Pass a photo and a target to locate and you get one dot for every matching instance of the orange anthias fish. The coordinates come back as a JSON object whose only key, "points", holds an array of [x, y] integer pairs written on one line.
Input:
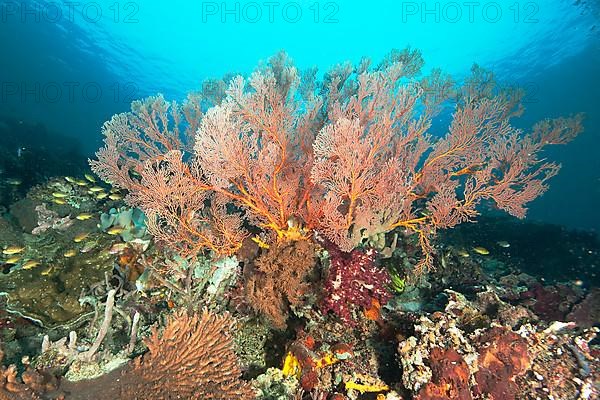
{"points": [[374, 312]]}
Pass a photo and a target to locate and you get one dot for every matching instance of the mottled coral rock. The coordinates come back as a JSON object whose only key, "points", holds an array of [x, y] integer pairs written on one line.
{"points": [[24, 213], [503, 358], [9, 234], [440, 360], [587, 313], [450, 378], [565, 364], [27, 388], [414, 353], [551, 303]]}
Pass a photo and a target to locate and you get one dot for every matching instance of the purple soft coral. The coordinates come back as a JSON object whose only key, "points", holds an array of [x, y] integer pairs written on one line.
{"points": [[354, 280]]}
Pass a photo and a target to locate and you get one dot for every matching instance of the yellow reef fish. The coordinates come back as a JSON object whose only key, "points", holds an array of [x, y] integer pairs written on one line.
{"points": [[426, 213], [31, 264], [462, 253], [117, 248], [14, 181], [59, 195], [115, 196], [70, 179], [481, 250], [47, 271], [84, 216], [89, 246], [81, 182], [115, 230], [70, 253], [10, 250], [60, 202], [90, 178], [95, 189], [12, 260], [81, 237], [263, 245], [101, 195]]}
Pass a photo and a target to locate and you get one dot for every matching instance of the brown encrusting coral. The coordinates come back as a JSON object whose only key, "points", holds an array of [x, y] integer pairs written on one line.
{"points": [[278, 279]]}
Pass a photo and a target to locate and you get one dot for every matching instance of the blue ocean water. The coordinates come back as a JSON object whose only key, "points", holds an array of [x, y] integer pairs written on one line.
{"points": [[70, 65]]}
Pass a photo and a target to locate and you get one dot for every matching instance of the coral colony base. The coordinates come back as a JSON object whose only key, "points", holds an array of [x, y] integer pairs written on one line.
{"points": [[277, 237]]}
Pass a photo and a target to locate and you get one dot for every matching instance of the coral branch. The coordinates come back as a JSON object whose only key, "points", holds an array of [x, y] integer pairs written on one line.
{"points": [[108, 311]]}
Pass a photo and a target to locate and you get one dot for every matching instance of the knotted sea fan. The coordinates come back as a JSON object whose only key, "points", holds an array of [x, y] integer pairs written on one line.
{"points": [[192, 358]]}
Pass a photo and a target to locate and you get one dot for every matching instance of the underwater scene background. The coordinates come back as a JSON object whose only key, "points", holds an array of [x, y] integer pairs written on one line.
{"points": [[299, 200]]}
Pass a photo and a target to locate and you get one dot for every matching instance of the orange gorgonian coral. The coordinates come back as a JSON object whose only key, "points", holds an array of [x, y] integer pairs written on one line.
{"points": [[192, 358], [350, 156]]}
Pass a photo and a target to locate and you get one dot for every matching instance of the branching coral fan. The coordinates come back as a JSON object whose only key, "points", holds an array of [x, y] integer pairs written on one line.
{"points": [[192, 359], [350, 156]]}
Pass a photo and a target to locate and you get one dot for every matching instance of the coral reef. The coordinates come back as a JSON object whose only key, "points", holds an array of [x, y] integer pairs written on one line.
{"points": [[130, 220], [58, 252], [552, 302], [50, 295], [274, 385], [587, 313], [413, 352], [563, 366], [49, 219], [306, 362], [450, 377], [302, 215], [29, 386], [503, 358], [10, 233]]}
